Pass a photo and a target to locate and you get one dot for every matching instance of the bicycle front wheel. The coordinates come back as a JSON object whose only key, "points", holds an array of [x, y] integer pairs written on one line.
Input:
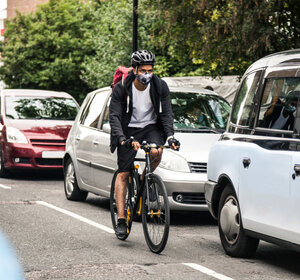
{"points": [[114, 211], [156, 215]]}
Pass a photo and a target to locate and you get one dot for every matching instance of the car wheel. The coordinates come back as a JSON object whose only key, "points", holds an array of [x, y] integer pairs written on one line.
{"points": [[234, 240], [4, 173], [72, 191]]}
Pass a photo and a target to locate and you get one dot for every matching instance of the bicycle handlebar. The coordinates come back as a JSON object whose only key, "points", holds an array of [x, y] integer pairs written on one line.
{"points": [[144, 145], [153, 145]]}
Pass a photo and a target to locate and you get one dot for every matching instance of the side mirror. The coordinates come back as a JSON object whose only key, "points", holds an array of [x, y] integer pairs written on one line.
{"points": [[106, 127]]}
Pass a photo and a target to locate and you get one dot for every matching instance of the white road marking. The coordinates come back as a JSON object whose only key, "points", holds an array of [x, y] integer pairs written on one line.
{"points": [[5, 187], [198, 267], [208, 271], [78, 217]]}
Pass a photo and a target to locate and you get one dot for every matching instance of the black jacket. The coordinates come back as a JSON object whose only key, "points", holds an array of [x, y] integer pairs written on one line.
{"points": [[120, 108]]}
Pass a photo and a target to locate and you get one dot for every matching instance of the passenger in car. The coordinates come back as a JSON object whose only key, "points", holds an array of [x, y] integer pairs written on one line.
{"points": [[198, 116], [282, 113]]}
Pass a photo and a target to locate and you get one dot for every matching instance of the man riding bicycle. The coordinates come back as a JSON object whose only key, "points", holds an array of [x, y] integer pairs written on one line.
{"points": [[140, 107]]}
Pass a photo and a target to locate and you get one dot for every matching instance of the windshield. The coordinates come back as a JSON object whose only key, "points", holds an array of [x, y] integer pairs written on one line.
{"points": [[196, 111], [28, 107]]}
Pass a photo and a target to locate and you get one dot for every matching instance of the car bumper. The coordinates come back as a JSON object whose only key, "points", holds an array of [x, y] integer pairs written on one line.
{"points": [[209, 188], [23, 156], [185, 190]]}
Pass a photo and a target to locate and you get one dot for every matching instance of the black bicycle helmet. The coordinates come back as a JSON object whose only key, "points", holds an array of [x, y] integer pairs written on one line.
{"points": [[142, 57]]}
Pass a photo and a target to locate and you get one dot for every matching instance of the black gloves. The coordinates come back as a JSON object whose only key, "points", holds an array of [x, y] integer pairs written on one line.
{"points": [[175, 141], [128, 142]]}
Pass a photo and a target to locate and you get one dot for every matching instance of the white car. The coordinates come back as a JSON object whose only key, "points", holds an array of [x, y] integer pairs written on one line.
{"points": [[253, 186], [200, 118]]}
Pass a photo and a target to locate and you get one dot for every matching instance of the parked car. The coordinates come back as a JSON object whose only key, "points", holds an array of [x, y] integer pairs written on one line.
{"points": [[34, 126], [200, 117], [254, 170]]}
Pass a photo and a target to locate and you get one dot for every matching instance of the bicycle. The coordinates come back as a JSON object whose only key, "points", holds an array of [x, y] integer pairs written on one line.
{"points": [[148, 199]]}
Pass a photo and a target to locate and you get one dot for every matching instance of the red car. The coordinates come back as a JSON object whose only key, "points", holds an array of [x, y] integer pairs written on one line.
{"points": [[34, 126]]}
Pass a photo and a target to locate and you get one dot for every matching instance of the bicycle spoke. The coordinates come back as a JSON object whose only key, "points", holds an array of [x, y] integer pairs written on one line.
{"points": [[156, 217]]}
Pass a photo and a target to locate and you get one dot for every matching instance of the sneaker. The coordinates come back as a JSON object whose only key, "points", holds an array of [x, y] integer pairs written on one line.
{"points": [[121, 228]]}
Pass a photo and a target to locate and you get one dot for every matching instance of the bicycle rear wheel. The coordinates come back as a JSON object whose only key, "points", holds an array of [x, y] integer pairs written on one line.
{"points": [[114, 211], [156, 218]]}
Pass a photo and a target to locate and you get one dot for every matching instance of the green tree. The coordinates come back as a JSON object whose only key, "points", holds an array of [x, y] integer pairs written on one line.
{"points": [[223, 37], [46, 50], [112, 41], [76, 45]]}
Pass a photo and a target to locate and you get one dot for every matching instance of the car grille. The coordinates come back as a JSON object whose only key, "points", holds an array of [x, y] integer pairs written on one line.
{"points": [[48, 142], [198, 167], [189, 198], [48, 161]]}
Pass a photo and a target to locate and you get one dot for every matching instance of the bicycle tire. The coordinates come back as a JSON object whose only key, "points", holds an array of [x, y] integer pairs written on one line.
{"points": [[156, 220], [113, 209]]}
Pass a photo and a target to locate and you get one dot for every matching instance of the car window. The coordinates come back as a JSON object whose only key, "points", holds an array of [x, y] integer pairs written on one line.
{"points": [[93, 111], [197, 111], [106, 113], [279, 103], [244, 101], [29, 107]]}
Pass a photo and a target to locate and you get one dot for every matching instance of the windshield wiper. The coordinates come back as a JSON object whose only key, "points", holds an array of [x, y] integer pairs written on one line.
{"points": [[209, 128], [41, 118], [201, 129]]}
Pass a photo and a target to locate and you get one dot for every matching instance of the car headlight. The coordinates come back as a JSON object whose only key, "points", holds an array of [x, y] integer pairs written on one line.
{"points": [[14, 135], [172, 161]]}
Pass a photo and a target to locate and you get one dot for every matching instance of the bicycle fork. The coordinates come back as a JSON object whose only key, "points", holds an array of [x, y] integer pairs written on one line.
{"points": [[150, 213]]}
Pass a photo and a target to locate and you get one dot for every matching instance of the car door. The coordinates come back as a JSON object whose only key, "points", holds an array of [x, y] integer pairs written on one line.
{"points": [[294, 209], [104, 162], [265, 167], [86, 135], [264, 189]]}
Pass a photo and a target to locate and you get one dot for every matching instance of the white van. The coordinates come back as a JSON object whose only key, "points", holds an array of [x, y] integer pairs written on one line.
{"points": [[253, 186]]}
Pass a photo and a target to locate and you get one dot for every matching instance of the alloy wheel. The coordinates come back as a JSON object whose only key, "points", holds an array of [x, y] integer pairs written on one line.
{"points": [[70, 179]]}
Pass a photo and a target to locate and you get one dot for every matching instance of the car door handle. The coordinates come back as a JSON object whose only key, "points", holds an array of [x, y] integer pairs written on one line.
{"points": [[246, 162], [96, 143], [77, 138], [297, 170]]}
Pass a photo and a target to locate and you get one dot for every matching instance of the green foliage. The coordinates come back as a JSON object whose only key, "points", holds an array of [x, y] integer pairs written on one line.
{"points": [[76, 45], [224, 37], [46, 50], [111, 40]]}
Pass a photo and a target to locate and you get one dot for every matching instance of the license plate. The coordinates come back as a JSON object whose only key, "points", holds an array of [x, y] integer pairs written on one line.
{"points": [[53, 154]]}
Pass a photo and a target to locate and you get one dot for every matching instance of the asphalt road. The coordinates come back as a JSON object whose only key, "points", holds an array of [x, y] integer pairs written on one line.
{"points": [[59, 239]]}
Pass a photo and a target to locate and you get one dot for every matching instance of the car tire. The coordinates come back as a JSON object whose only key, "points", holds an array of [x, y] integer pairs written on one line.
{"points": [[4, 173], [72, 191], [234, 240]]}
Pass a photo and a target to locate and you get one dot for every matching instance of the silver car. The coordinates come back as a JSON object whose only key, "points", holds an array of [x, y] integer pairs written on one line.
{"points": [[200, 116]]}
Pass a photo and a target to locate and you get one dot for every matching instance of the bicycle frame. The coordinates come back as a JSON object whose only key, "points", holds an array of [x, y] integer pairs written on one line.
{"points": [[147, 199], [144, 184]]}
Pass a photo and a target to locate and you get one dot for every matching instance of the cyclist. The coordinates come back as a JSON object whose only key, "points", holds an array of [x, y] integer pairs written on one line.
{"points": [[140, 107]]}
